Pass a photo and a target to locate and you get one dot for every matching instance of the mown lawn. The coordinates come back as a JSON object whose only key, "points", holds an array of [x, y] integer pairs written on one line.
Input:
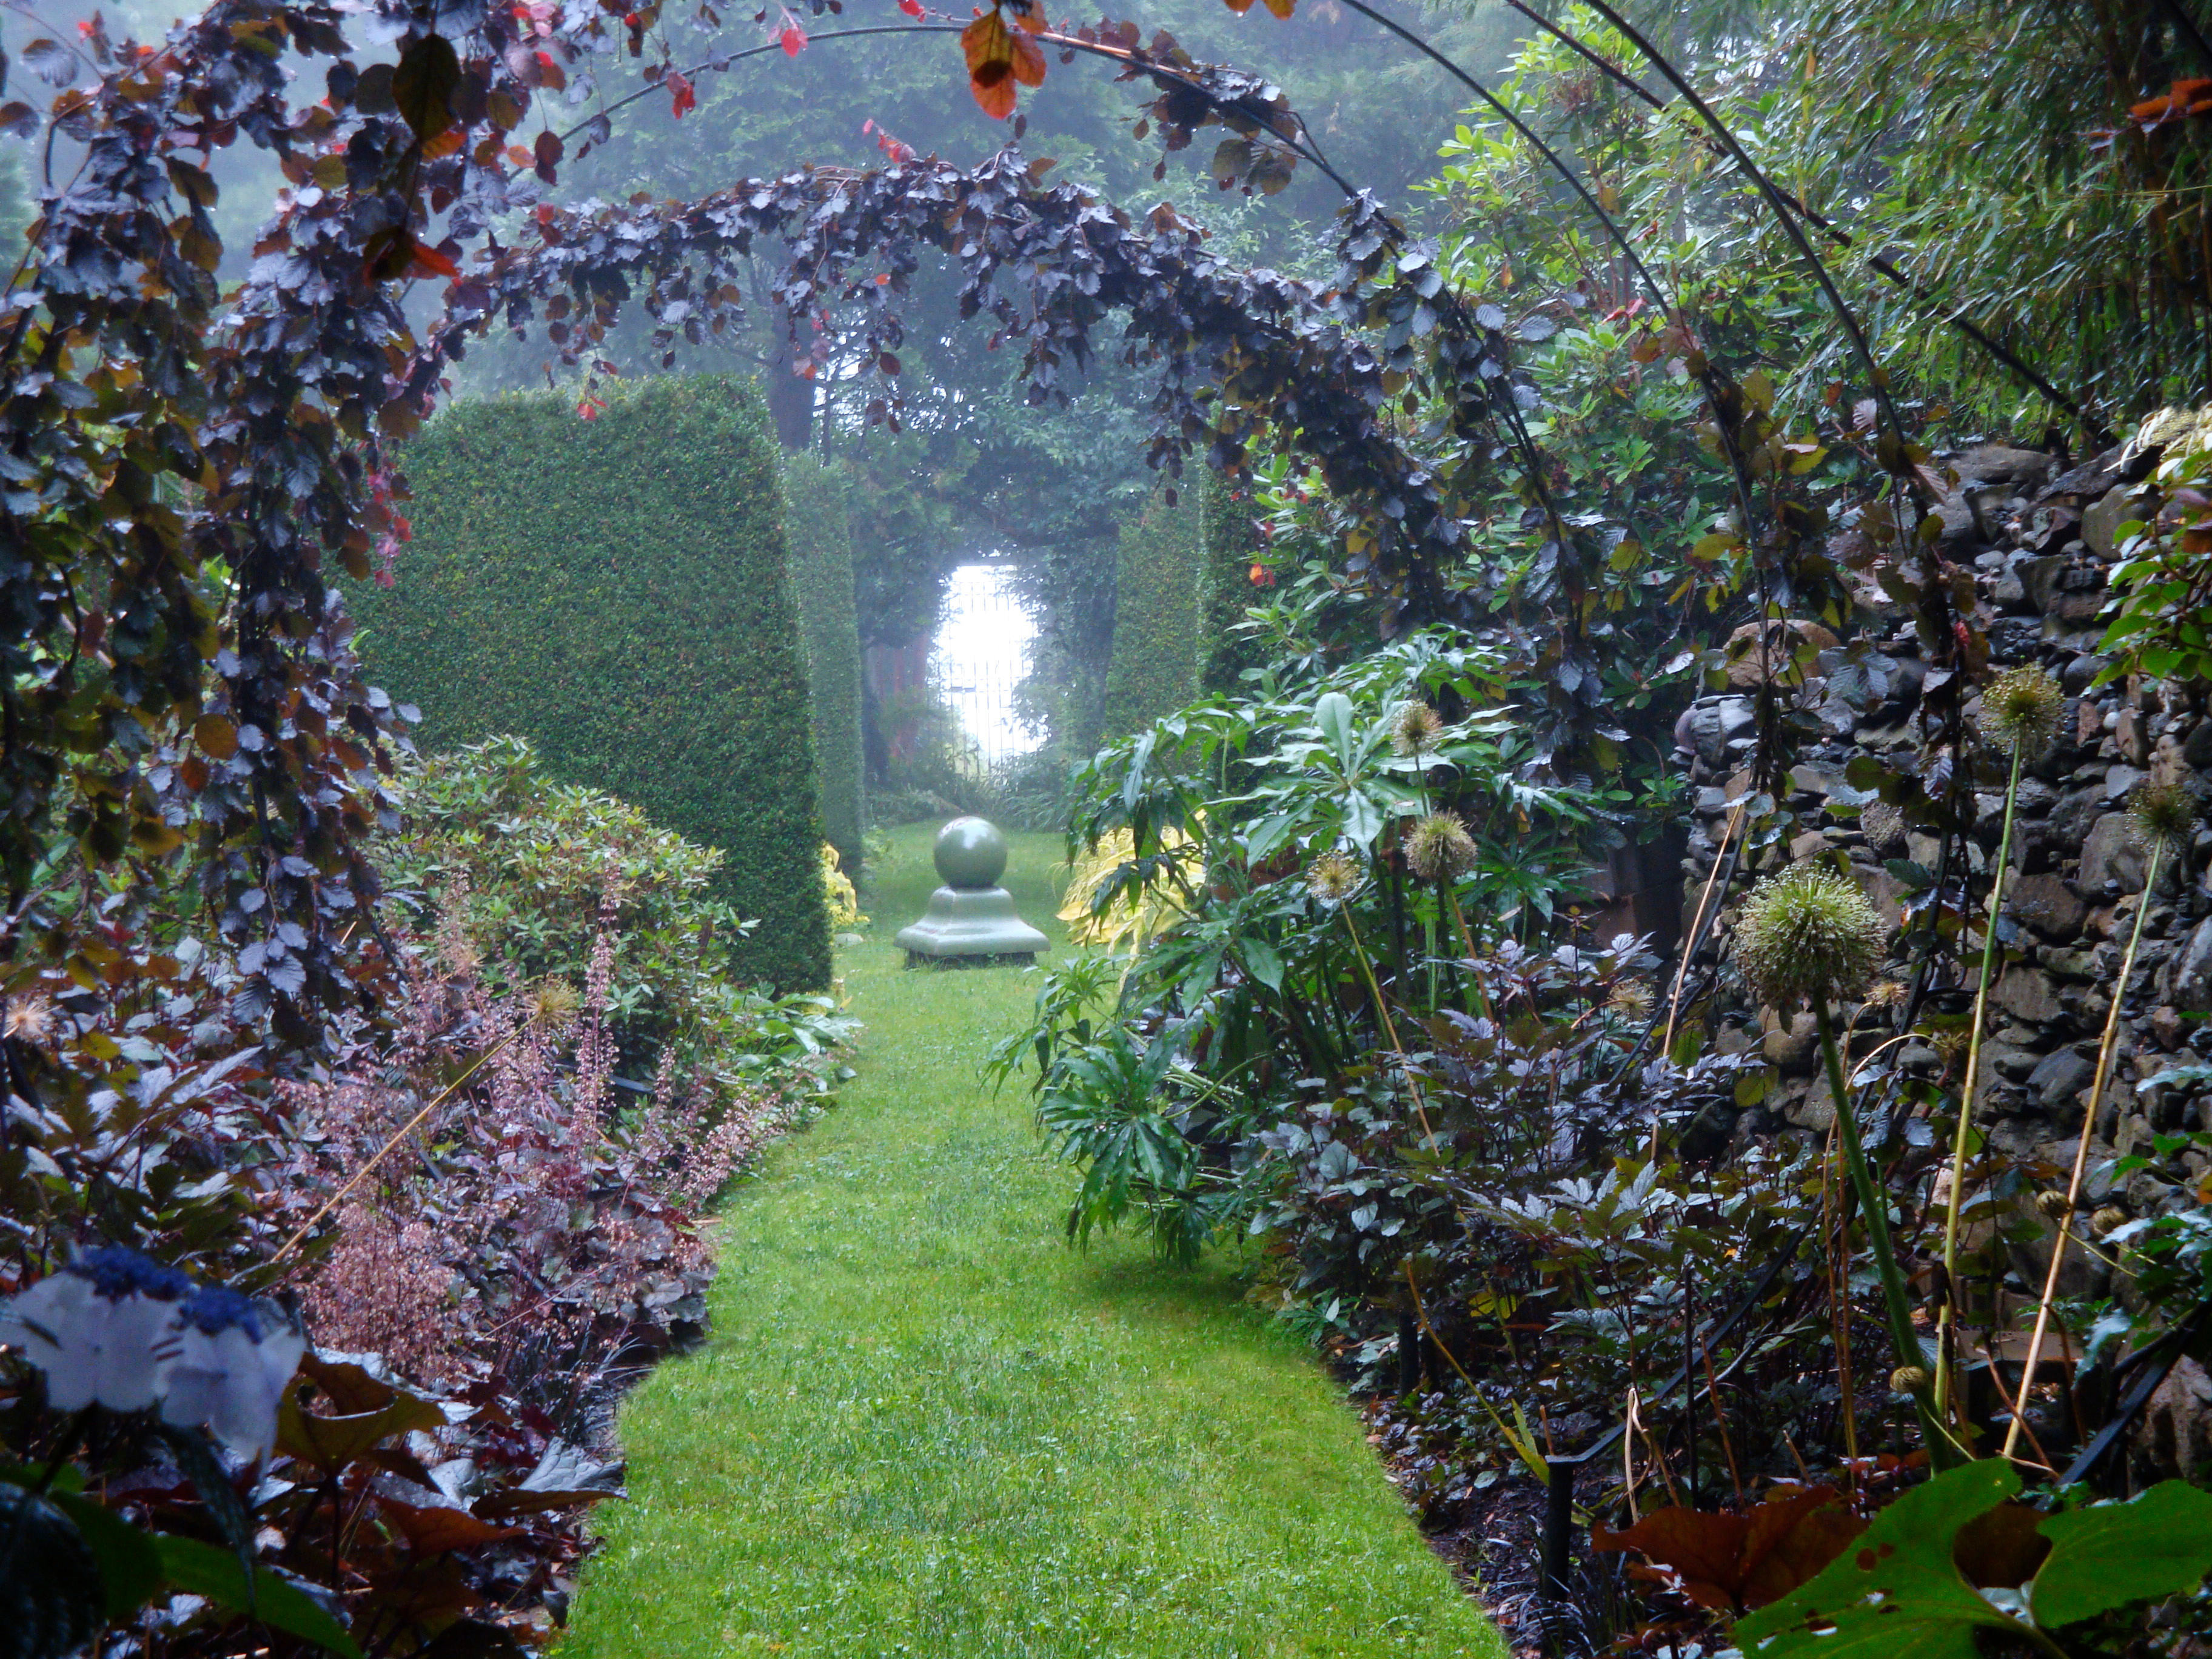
{"points": [[925, 1425]]}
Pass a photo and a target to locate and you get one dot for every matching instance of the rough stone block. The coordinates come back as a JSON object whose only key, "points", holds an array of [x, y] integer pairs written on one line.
{"points": [[2058, 1077], [2027, 993], [2044, 903]]}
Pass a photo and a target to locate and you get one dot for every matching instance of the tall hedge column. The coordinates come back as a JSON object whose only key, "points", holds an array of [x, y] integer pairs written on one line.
{"points": [[615, 591], [1154, 670], [821, 542], [1232, 546]]}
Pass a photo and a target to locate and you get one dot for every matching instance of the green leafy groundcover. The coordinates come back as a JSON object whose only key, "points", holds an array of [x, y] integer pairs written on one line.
{"points": [[614, 590], [821, 582], [1154, 670]]}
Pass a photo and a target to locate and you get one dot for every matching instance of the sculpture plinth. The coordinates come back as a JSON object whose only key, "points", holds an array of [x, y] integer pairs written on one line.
{"points": [[970, 921]]}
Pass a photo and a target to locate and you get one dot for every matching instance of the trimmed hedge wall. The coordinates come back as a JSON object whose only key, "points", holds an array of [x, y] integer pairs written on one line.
{"points": [[821, 542], [1231, 545], [614, 590], [1154, 670]]}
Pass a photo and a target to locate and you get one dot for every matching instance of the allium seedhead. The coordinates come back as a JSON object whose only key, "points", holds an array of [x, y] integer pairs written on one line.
{"points": [[1910, 1379], [1889, 993], [28, 1020], [1633, 998], [1439, 848], [2163, 816], [1413, 729], [1808, 935], [1333, 877], [554, 1004], [2021, 711]]}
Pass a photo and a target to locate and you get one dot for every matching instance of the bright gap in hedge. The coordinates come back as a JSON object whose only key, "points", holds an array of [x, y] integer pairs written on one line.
{"points": [[982, 653]]}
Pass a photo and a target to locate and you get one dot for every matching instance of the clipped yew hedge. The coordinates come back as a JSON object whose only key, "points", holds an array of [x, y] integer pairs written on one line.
{"points": [[821, 541], [1154, 668], [614, 590], [1233, 544]]}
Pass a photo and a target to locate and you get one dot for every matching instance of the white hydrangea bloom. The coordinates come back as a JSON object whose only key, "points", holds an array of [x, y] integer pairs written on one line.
{"points": [[103, 1329], [116, 1329], [234, 1359]]}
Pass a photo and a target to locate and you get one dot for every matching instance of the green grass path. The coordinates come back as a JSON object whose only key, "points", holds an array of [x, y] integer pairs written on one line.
{"points": [[924, 1425]]}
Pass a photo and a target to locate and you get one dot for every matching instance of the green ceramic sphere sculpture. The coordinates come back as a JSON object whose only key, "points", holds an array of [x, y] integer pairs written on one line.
{"points": [[970, 920]]}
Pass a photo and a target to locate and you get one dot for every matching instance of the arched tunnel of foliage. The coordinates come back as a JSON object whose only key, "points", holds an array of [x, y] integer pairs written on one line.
{"points": [[1689, 462]]}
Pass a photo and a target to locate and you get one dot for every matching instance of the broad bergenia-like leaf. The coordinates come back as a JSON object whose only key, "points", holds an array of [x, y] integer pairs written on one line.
{"points": [[1733, 1562], [1897, 1593], [2114, 1554]]}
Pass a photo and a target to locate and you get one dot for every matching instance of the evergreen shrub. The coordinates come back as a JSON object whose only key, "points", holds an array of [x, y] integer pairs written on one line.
{"points": [[614, 590], [1232, 546], [1154, 669], [819, 535]]}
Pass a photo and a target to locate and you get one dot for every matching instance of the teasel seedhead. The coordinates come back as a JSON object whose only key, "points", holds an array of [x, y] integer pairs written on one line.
{"points": [[1333, 877], [2054, 1204], [2163, 816], [1413, 729], [1808, 935], [2021, 711], [1910, 1379], [1439, 848]]}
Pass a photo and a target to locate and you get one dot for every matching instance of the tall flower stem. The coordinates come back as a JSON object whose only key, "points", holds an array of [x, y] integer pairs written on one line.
{"points": [[1947, 1315], [1467, 944], [2104, 1050], [1389, 1028], [1875, 1204]]}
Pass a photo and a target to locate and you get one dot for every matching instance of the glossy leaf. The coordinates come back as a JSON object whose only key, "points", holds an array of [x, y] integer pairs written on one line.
{"points": [[277, 1602], [1896, 1594], [2111, 1554]]}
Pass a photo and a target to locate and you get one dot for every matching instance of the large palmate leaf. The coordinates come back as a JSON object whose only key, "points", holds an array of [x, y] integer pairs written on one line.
{"points": [[1738, 1561], [2106, 1557], [1897, 1594], [1907, 1591]]}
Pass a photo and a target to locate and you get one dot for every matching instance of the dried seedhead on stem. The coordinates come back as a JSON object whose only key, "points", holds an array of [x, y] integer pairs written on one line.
{"points": [[1333, 877], [1439, 848], [1413, 729], [1808, 935], [2021, 711], [2163, 817]]}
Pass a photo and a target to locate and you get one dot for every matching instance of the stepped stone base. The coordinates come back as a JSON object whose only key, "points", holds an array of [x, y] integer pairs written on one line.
{"points": [[971, 926]]}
